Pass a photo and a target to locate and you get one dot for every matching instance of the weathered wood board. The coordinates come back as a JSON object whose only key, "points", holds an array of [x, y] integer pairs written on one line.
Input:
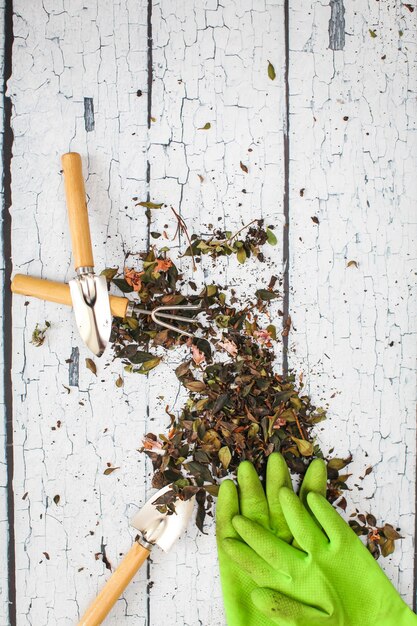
{"points": [[130, 85], [353, 121]]}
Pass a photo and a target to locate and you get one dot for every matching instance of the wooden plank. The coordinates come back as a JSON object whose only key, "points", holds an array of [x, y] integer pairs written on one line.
{"points": [[210, 67], [64, 440], [352, 135]]}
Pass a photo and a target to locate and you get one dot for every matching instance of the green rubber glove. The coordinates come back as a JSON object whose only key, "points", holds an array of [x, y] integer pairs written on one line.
{"points": [[265, 509], [332, 580]]}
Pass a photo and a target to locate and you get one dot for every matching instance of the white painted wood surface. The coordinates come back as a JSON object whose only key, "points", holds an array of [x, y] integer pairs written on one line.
{"points": [[209, 65], [353, 134], [3, 467]]}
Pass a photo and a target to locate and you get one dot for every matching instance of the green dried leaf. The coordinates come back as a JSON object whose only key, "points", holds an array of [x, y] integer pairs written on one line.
{"points": [[109, 273], [132, 322], [135, 356], [147, 366], [39, 334], [211, 290], [213, 490], [372, 33], [151, 205], [241, 255], [206, 126], [305, 448], [338, 464], [271, 71], [199, 471], [119, 382], [272, 331], [225, 456], [122, 285], [266, 294], [272, 240]]}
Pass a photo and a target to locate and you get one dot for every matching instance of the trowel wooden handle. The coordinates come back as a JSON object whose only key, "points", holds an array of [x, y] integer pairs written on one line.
{"points": [[115, 586], [77, 210], [42, 289], [58, 292]]}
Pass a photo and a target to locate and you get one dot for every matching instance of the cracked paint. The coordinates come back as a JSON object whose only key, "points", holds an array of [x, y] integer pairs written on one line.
{"points": [[209, 65], [356, 326]]}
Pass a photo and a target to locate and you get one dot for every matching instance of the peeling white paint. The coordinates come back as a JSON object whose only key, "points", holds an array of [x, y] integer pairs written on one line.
{"points": [[210, 65], [353, 120]]}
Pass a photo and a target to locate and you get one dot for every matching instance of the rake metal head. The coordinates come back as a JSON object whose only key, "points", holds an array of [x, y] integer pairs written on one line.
{"points": [[161, 313], [165, 312]]}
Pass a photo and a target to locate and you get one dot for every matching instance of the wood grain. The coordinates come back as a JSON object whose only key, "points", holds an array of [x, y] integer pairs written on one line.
{"points": [[52, 291], [77, 210]]}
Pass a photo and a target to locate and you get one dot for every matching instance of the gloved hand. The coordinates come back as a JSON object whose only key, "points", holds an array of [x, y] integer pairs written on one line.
{"points": [[332, 580], [265, 509]]}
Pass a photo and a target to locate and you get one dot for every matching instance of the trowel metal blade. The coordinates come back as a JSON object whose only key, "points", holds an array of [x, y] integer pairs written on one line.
{"points": [[161, 528], [91, 303]]}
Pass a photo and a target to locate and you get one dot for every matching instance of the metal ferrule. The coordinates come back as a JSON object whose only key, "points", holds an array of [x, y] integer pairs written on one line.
{"points": [[81, 271], [130, 309], [144, 542]]}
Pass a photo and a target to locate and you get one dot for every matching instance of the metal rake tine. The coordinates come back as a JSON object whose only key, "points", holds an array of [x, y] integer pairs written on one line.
{"points": [[179, 318], [159, 312], [178, 307], [157, 320]]}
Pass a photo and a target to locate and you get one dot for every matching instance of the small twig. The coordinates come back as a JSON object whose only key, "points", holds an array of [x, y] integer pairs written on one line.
{"points": [[239, 231], [182, 226], [299, 426]]}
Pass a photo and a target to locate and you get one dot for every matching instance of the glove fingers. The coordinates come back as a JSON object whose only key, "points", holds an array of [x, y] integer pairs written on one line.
{"points": [[282, 557], [315, 480], [253, 504], [277, 476], [284, 610], [226, 509], [332, 523], [303, 527], [241, 554]]}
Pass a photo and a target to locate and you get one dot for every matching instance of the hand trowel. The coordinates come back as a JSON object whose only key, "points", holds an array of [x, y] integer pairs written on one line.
{"points": [[154, 528], [89, 294]]}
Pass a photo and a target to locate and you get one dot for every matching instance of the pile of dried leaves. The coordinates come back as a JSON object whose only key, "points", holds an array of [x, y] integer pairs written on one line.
{"points": [[238, 406]]}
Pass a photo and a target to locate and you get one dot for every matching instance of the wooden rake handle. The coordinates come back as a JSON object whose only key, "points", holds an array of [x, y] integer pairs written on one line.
{"points": [[58, 292], [77, 210], [115, 586]]}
